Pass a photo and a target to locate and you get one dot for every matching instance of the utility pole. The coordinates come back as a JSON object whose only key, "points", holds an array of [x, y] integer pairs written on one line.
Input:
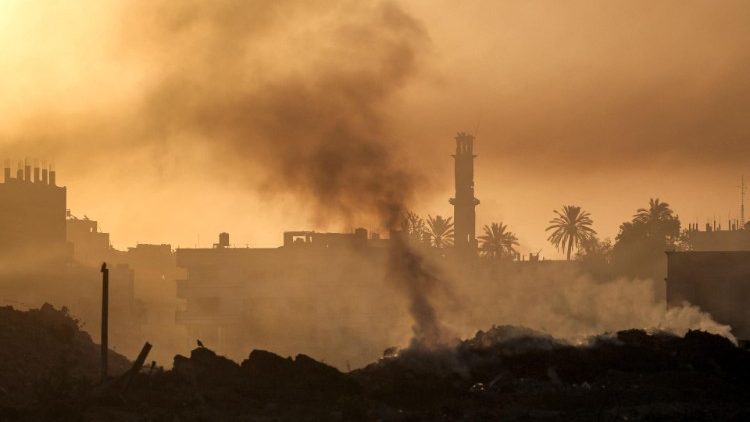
{"points": [[105, 319]]}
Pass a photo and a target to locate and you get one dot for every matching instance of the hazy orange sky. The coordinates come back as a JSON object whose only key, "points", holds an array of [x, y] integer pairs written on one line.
{"points": [[138, 103]]}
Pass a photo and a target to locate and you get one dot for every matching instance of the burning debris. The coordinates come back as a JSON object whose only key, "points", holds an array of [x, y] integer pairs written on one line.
{"points": [[504, 373], [412, 276]]}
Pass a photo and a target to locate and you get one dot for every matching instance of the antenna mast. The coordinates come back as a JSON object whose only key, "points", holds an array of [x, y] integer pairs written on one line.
{"points": [[742, 202]]}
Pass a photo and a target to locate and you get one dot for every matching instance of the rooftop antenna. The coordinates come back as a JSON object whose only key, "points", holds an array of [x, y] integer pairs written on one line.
{"points": [[476, 127], [742, 201]]}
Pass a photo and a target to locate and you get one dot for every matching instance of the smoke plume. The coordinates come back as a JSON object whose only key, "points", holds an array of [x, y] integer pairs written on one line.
{"points": [[304, 97], [286, 98], [570, 304], [321, 134]]}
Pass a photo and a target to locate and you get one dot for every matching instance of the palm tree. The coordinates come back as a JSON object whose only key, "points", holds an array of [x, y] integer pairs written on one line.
{"points": [[572, 227], [657, 211], [658, 220], [440, 231], [413, 225], [497, 241]]}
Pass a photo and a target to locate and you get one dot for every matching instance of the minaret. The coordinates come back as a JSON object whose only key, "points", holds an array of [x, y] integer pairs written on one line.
{"points": [[464, 204]]}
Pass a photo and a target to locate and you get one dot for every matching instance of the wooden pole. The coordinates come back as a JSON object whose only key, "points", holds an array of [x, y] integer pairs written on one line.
{"points": [[137, 365], [105, 319]]}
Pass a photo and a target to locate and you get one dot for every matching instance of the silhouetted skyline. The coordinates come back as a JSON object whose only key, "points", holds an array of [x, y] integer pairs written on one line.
{"points": [[601, 106]]}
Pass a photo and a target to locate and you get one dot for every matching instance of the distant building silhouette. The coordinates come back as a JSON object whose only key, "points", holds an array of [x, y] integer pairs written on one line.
{"points": [[464, 203], [144, 273], [713, 238], [231, 294], [39, 246], [90, 246], [717, 282], [32, 217]]}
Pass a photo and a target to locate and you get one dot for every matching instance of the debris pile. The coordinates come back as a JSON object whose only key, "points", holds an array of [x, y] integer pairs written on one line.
{"points": [[511, 373], [505, 373], [44, 354]]}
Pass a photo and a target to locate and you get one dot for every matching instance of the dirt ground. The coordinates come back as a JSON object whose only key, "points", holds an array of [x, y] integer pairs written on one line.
{"points": [[505, 373]]}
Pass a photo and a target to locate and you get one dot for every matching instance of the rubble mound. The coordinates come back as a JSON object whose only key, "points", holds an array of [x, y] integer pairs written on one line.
{"points": [[271, 376], [508, 372], [505, 373], [514, 339], [44, 353]]}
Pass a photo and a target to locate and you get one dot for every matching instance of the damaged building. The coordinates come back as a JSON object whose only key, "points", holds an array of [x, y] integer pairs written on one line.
{"points": [[38, 257], [153, 270], [305, 295]]}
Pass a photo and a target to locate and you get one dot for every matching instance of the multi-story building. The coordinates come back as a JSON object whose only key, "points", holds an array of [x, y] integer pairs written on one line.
{"points": [[90, 246], [306, 295], [734, 237], [37, 257], [717, 282], [152, 273], [32, 219]]}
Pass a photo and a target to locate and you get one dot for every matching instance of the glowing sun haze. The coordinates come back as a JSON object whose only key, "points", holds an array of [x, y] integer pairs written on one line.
{"points": [[165, 119]]}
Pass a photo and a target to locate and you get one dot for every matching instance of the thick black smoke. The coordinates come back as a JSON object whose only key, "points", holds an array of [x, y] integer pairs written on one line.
{"points": [[289, 97], [320, 132]]}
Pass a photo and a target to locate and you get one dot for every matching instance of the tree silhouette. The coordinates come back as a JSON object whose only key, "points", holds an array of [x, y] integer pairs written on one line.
{"points": [[571, 228], [413, 225], [640, 244], [440, 231], [658, 220], [497, 241]]}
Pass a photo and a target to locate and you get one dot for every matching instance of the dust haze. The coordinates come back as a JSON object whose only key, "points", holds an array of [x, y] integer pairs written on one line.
{"points": [[573, 89], [169, 121]]}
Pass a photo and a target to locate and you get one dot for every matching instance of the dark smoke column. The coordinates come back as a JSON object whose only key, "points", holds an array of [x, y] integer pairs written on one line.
{"points": [[464, 204]]}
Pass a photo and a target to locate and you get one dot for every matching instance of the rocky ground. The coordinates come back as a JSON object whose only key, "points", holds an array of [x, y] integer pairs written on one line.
{"points": [[46, 357], [506, 373]]}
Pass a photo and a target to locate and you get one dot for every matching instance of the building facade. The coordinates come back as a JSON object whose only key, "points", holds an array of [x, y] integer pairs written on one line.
{"points": [[38, 262], [717, 282], [307, 295], [734, 238], [32, 219]]}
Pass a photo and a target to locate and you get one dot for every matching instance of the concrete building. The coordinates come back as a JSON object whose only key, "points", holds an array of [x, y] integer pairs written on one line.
{"points": [[734, 238], [717, 282], [90, 246], [464, 203], [305, 295], [150, 272], [37, 260], [32, 218], [308, 293]]}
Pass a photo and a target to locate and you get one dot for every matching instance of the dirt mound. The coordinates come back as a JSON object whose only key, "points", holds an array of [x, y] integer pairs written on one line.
{"points": [[45, 355], [303, 378], [508, 372], [263, 375], [505, 373]]}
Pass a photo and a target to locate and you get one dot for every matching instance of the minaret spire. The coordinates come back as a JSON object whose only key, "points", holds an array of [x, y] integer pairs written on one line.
{"points": [[464, 203]]}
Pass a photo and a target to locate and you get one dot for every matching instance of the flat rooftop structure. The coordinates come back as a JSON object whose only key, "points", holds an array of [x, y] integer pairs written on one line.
{"points": [[716, 281], [719, 240]]}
